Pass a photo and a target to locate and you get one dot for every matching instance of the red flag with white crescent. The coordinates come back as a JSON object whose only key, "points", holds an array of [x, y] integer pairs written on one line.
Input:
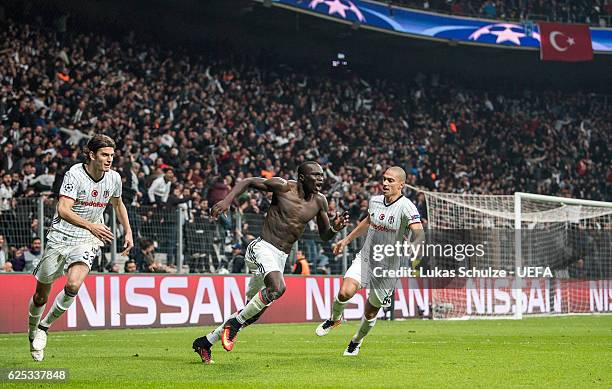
{"points": [[565, 42]]}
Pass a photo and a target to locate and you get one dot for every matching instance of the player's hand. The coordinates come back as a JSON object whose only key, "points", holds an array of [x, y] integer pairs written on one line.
{"points": [[341, 221], [129, 243], [102, 232], [219, 208], [340, 246]]}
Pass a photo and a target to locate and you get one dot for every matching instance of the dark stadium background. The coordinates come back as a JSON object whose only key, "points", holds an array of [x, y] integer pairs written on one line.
{"points": [[311, 43]]}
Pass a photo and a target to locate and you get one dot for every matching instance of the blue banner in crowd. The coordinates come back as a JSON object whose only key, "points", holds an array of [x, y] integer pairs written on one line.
{"points": [[437, 26]]}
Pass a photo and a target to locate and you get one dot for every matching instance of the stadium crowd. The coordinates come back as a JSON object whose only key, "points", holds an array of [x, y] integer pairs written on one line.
{"points": [[188, 125], [582, 11]]}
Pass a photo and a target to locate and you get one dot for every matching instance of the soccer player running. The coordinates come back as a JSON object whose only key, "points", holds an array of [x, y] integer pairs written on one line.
{"points": [[294, 204], [76, 235], [390, 218]]}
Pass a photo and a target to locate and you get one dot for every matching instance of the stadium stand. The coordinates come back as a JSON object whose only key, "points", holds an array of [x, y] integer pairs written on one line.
{"points": [[591, 12], [192, 123]]}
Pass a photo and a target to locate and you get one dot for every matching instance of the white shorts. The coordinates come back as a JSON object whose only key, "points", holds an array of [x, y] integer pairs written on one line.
{"points": [[58, 258], [377, 296], [262, 258]]}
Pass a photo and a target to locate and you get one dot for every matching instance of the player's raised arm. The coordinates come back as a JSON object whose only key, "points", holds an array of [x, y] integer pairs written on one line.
{"points": [[361, 229], [122, 215], [418, 236], [326, 230], [274, 184], [64, 211]]}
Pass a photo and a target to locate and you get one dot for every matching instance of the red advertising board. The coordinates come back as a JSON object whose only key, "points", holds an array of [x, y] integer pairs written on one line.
{"points": [[140, 301]]}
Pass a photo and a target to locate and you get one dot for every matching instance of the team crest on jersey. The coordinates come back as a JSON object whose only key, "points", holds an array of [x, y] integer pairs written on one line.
{"points": [[391, 219], [82, 193], [94, 193], [68, 187], [106, 193]]}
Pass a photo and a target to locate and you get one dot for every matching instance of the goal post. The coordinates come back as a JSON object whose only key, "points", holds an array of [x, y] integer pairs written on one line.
{"points": [[546, 255]]}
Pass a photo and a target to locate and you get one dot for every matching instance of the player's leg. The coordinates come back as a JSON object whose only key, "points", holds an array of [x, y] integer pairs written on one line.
{"points": [[203, 345], [64, 299], [48, 270], [35, 311], [379, 297], [269, 262], [350, 285], [347, 290], [37, 306], [273, 290], [367, 323]]}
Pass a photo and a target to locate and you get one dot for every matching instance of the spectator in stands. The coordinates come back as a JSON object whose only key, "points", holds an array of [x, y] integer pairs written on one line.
{"points": [[421, 206], [7, 191], [4, 253], [29, 258], [488, 9], [6, 161], [456, 8], [130, 266], [252, 206], [143, 257], [577, 270], [114, 268], [577, 11], [7, 267], [301, 265], [43, 182], [236, 263], [159, 191], [218, 191]]}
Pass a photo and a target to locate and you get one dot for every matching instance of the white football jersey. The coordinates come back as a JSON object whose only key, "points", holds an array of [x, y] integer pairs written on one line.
{"points": [[90, 200], [388, 223]]}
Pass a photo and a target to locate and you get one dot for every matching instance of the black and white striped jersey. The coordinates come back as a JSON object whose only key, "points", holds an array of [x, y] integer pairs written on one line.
{"points": [[388, 223], [90, 200]]}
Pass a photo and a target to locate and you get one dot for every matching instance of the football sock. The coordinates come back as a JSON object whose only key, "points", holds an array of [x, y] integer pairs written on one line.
{"points": [[61, 304], [364, 328], [337, 309], [254, 306], [34, 314], [215, 335]]}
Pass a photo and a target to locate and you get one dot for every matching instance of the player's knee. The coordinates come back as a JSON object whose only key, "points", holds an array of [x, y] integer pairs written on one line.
{"points": [[40, 299], [344, 295], [370, 315], [275, 292], [72, 288]]}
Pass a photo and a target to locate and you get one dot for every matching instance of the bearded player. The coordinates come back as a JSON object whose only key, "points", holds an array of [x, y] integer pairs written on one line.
{"points": [[76, 235], [391, 216], [294, 204]]}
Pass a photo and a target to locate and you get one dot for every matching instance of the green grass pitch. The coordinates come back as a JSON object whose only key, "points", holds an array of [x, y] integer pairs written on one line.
{"points": [[535, 352]]}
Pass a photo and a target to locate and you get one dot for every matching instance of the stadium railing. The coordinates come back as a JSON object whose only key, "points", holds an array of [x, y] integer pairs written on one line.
{"points": [[187, 242]]}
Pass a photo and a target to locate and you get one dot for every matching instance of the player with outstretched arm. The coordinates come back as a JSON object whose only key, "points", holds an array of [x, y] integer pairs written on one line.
{"points": [[391, 217], [294, 204], [76, 235]]}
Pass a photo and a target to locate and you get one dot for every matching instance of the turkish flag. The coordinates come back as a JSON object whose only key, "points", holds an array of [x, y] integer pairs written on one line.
{"points": [[565, 42]]}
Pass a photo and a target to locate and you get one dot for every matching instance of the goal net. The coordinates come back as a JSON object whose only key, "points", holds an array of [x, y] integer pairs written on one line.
{"points": [[530, 254]]}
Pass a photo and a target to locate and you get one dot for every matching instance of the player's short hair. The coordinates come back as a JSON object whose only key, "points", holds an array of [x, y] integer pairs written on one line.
{"points": [[399, 172], [97, 142], [303, 168]]}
